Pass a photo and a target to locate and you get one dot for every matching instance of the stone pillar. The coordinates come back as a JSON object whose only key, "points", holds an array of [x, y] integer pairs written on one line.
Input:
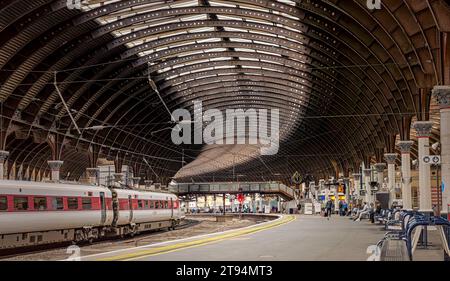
{"points": [[442, 94], [347, 189], [336, 199], [3, 156], [55, 166], [136, 181], [356, 184], [405, 148], [380, 174], [367, 174], [390, 160], [423, 129], [118, 177], [148, 184], [92, 174]]}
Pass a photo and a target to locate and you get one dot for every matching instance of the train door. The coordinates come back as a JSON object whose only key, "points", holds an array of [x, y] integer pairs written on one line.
{"points": [[103, 207], [130, 203], [171, 207]]}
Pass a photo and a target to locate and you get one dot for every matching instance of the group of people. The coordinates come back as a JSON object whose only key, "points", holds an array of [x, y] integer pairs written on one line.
{"points": [[357, 212], [366, 210], [344, 208]]}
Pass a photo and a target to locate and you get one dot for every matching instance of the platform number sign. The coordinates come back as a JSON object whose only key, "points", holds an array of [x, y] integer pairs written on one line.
{"points": [[75, 252], [375, 253], [432, 159]]}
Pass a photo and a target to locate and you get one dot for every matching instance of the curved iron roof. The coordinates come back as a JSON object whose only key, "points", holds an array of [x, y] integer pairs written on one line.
{"points": [[347, 79]]}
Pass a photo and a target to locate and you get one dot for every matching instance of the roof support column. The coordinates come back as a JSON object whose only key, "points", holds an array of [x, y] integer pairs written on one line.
{"points": [[118, 161], [442, 94], [55, 166], [390, 160], [367, 174], [3, 156], [92, 175], [56, 143], [423, 129], [356, 185], [92, 171], [405, 148], [380, 174]]}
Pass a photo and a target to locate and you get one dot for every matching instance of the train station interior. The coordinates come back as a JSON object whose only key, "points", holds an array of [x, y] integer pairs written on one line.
{"points": [[225, 130]]}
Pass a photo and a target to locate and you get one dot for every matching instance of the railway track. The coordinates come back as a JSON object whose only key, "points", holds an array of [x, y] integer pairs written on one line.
{"points": [[139, 238]]}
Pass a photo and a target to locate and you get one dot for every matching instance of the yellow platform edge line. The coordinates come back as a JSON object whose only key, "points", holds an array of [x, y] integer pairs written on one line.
{"points": [[196, 243]]}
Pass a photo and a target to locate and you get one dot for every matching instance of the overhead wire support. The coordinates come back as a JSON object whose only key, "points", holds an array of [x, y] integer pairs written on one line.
{"points": [[64, 103], [151, 168], [155, 88]]}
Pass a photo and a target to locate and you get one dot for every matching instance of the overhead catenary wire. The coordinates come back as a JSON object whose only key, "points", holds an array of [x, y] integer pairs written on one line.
{"points": [[65, 104]]}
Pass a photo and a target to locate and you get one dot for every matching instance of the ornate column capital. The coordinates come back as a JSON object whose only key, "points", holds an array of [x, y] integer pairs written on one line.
{"points": [[367, 172], [405, 146], [423, 128], [442, 95], [380, 167], [3, 155], [55, 165], [390, 158], [118, 176], [92, 172]]}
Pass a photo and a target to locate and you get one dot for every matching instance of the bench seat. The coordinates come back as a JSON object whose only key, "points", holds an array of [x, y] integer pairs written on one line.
{"points": [[394, 250]]}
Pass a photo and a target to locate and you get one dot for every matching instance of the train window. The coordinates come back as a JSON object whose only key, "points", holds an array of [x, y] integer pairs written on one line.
{"points": [[3, 203], [57, 203], [87, 203], [72, 203], [166, 205], [146, 204], [140, 205], [40, 203], [152, 204], [20, 203], [156, 204]]}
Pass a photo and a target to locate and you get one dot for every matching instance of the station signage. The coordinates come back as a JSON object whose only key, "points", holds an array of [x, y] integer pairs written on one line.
{"points": [[432, 159]]}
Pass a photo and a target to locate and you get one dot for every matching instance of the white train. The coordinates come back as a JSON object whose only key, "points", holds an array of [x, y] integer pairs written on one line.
{"points": [[35, 213]]}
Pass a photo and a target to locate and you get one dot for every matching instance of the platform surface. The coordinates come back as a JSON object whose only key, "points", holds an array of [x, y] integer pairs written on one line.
{"points": [[310, 238]]}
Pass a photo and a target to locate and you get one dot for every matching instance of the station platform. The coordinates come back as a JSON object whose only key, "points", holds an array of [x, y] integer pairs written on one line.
{"points": [[290, 238]]}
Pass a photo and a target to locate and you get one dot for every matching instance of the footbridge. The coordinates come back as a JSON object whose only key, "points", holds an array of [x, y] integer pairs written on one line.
{"points": [[280, 189]]}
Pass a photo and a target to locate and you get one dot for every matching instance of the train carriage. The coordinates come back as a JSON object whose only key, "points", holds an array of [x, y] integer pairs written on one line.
{"points": [[33, 213]]}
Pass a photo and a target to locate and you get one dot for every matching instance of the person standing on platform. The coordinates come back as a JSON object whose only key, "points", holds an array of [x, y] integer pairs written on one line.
{"points": [[344, 208], [329, 208]]}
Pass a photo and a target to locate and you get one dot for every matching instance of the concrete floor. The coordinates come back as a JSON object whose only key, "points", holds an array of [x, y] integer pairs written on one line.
{"points": [[306, 238], [299, 238]]}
